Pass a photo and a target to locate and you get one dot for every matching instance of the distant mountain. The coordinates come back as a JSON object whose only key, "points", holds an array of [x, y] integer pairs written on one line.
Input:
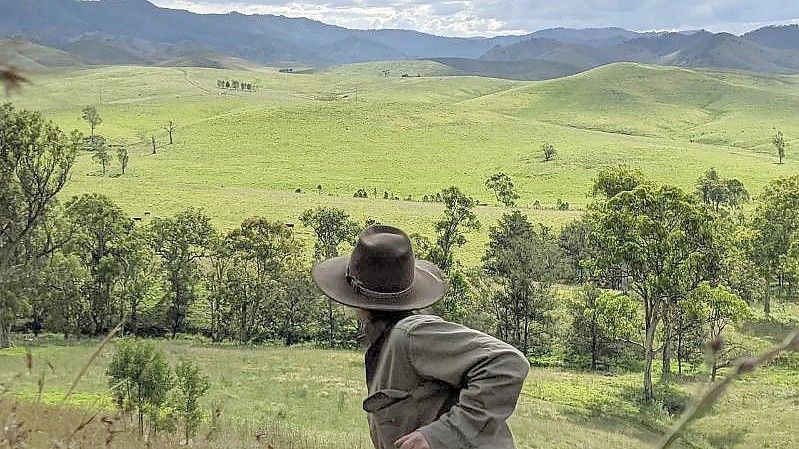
{"points": [[776, 36], [74, 32], [577, 55], [685, 49], [595, 37], [261, 38]]}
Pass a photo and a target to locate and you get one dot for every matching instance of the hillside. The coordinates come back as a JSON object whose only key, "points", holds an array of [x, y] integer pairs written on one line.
{"points": [[700, 49], [776, 36], [29, 56], [242, 154]]}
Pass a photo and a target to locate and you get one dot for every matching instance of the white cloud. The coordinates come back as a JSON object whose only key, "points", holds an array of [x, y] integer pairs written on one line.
{"points": [[493, 17]]}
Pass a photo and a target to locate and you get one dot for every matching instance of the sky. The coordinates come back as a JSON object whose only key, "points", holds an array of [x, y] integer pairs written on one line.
{"points": [[495, 17]]}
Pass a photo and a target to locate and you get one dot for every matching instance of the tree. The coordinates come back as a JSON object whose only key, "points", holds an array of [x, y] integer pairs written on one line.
{"points": [[601, 321], [190, 386], [140, 380], [63, 290], [718, 192], [459, 217], [332, 228], [611, 181], [36, 159], [525, 263], [123, 157], [502, 186], [779, 145], [776, 225], [11, 78], [549, 151], [575, 240], [262, 253], [180, 241], [170, 128], [152, 140], [101, 154], [137, 276], [100, 227], [92, 117], [717, 308], [657, 239]]}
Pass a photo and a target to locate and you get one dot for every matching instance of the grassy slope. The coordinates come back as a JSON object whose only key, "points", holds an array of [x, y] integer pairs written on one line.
{"points": [[240, 154]]}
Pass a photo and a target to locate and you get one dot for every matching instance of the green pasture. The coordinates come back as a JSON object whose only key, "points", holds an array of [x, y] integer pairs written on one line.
{"points": [[320, 392], [240, 154]]}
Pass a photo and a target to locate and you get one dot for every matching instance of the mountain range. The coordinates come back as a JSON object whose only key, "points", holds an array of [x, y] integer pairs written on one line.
{"points": [[54, 33]]}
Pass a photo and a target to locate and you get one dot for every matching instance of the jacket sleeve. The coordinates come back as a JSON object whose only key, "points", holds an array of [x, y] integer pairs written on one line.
{"points": [[488, 372]]}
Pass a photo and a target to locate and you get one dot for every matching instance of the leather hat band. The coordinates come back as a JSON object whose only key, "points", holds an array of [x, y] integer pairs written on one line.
{"points": [[362, 289]]}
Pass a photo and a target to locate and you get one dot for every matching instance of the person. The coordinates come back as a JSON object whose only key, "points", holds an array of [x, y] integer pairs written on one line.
{"points": [[432, 384]]}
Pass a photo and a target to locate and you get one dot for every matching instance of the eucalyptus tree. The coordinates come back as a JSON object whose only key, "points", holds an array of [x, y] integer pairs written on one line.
{"points": [[180, 242], [36, 160], [656, 236]]}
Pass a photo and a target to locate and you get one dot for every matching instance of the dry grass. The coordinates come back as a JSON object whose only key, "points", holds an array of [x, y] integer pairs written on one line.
{"points": [[30, 425]]}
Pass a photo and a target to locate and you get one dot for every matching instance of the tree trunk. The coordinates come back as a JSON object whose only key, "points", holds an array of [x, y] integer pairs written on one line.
{"points": [[5, 334], [665, 375], [594, 343], [679, 351], [332, 329], [767, 297], [649, 390]]}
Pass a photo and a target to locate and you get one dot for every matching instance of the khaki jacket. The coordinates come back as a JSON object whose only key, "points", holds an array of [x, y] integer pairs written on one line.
{"points": [[457, 386]]}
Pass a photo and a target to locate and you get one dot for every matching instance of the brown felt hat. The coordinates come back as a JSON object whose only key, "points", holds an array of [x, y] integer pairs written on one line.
{"points": [[381, 274]]}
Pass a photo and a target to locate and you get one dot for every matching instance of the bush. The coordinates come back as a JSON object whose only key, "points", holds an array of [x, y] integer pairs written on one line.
{"points": [[140, 379], [191, 385]]}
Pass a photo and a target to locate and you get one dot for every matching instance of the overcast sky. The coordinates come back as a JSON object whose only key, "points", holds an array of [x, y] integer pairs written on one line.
{"points": [[492, 17]]}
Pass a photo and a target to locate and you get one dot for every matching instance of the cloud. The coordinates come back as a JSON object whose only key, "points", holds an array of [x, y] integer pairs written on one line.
{"points": [[493, 17]]}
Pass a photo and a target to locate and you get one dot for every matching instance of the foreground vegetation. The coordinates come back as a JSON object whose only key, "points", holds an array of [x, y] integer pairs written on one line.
{"points": [[313, 394]]}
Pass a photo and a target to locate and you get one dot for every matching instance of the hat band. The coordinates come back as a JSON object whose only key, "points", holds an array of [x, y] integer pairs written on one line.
{"points": [[362, 289]]}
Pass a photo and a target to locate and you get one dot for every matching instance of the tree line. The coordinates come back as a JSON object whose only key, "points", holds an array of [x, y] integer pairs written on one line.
{"points": [[655, 271]]}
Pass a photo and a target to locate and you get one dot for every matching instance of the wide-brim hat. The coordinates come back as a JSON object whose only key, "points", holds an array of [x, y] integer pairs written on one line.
{"points": [[381, 273]]}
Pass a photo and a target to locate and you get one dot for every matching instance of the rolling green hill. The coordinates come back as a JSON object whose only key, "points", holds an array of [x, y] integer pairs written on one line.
{"points": [[241, 154], [29, 56]]}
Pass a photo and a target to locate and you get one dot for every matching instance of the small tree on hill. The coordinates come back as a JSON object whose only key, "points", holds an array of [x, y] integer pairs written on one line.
{"points": [[779, 144], [92, 117], [549, 151], [140, 379], [190, 386], [102, 155], [459, 218], [502, 185], [611, 181], [123, 157], [170, 128]]}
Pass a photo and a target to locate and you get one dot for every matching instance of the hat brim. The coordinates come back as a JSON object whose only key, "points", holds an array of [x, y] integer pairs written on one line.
{"points": [[428, 287]]}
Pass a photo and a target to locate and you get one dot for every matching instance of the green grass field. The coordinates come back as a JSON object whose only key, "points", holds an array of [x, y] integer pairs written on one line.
{"points": [[244, 154], [320, 392]]}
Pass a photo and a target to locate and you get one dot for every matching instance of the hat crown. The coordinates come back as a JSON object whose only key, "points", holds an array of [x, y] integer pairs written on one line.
{"points": [[382, 260]]}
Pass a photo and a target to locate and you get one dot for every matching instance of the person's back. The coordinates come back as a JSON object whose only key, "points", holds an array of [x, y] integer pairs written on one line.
{"points": [[432, 384], [454, 385]]}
